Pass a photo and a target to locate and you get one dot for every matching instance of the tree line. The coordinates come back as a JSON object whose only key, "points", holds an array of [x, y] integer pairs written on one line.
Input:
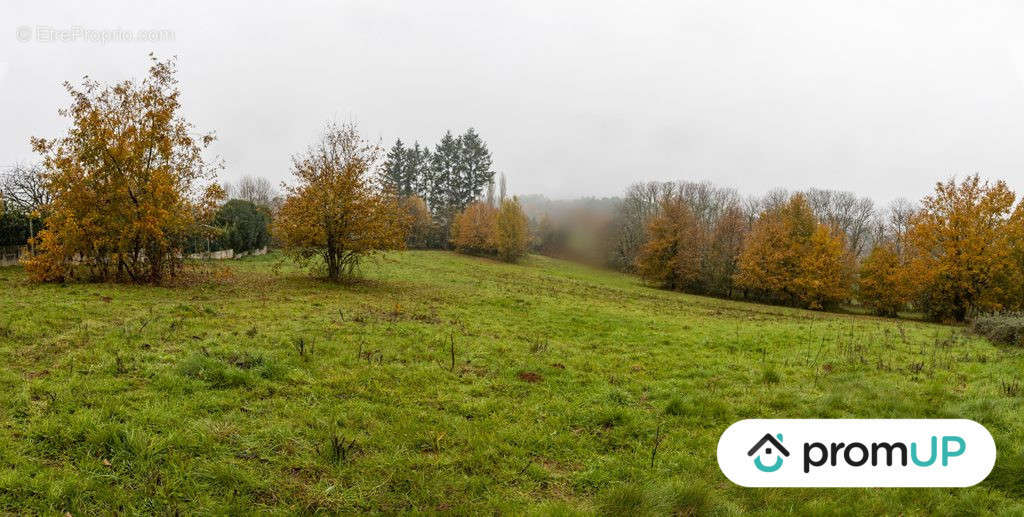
{"points": [[125, 194], [128, 193], [956, 253]]}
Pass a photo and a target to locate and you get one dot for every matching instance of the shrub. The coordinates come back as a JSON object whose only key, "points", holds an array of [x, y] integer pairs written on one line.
{"points": [[1005, 328]]}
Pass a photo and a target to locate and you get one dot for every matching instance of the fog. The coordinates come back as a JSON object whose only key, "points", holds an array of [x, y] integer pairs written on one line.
{"points": [[573, 98]]}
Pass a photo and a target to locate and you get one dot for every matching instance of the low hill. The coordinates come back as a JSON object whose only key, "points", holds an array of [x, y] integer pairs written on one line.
{"points": [[442, 382]]}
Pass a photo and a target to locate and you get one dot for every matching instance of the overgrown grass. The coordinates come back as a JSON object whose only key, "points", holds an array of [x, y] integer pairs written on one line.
{"points": [[265, 392]]}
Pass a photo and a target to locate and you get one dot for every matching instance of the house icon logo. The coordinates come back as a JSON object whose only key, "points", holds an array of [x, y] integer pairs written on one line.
{"points": [[765, 446]]}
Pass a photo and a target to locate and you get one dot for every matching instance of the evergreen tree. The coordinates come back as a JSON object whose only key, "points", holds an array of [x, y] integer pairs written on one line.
{"points": [[443, 185], [245, 225], [448, 179], [474, 167], [395, 166], [418, 172]]}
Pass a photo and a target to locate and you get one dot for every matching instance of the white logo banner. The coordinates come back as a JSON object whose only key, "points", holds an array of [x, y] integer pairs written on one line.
{"points": [[856, 453]]}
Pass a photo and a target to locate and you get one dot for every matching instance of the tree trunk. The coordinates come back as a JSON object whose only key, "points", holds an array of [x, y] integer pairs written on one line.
{"points": [[333, 266]]}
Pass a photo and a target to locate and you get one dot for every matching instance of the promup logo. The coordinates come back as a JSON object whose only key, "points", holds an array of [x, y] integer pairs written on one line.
{"points": [[766, 441], [856, 453]]}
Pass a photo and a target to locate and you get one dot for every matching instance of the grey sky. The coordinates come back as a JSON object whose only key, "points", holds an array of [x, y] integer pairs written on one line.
{"points": [[574, 98]]}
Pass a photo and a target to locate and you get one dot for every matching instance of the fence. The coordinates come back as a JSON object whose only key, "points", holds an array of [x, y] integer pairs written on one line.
{"points": [[224, 254], [9, 255]]}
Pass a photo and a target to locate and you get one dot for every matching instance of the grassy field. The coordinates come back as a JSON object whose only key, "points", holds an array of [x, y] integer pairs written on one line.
{"points": [[251, 389]]}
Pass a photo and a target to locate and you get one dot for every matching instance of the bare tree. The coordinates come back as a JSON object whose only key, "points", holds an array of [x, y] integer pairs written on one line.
{"points": [[897, 221], [708, 202], [24, 190], [846, 212], [255, 189], [627, 231]]}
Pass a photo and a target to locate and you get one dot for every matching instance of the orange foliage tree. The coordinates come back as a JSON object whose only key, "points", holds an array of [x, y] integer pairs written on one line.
{"points": [[962, 247], [338, 211], [883, 285], [789, 257], [672, 255], [512, 233], [724, 248], [421, 224], [482, 229], [125, 182], [473, 229]]}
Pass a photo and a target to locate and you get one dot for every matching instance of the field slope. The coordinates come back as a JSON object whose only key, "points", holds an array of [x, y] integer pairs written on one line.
{"points": [[256, 389]]}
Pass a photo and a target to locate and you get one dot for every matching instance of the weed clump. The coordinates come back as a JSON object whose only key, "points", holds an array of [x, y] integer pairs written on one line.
{"points": [[770, 376], [675, 407]]}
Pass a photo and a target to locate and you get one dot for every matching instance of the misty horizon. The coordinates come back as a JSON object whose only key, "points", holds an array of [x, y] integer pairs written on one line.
{"points": [[573, 100]]}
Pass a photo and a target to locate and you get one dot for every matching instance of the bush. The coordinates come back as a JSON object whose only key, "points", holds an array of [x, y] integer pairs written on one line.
{"points": [[1005, 328]]}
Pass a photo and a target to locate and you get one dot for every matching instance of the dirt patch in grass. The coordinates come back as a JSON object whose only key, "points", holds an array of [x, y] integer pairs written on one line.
{"points": [[530, 377]]}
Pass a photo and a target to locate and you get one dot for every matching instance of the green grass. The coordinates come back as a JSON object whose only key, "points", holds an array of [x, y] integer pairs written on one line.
{"points": [[273, 392]]}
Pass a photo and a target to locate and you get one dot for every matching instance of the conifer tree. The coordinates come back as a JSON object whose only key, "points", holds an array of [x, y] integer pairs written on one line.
{"points": [[474, 166], [395, 169]]}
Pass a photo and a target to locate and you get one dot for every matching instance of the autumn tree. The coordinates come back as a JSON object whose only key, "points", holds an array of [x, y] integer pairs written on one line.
{"points": [[962, 248], [626, 232], [789, 257], [125, 181], [824, 277], [473, 229], [723, 249], [422, 230], [673, 253], [512, 237], [883, 285], [482, 229], [338, 211], [1015, 235]]}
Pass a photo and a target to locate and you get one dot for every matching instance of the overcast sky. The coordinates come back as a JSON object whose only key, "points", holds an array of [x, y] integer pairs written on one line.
{"points": [[573, 98]]}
